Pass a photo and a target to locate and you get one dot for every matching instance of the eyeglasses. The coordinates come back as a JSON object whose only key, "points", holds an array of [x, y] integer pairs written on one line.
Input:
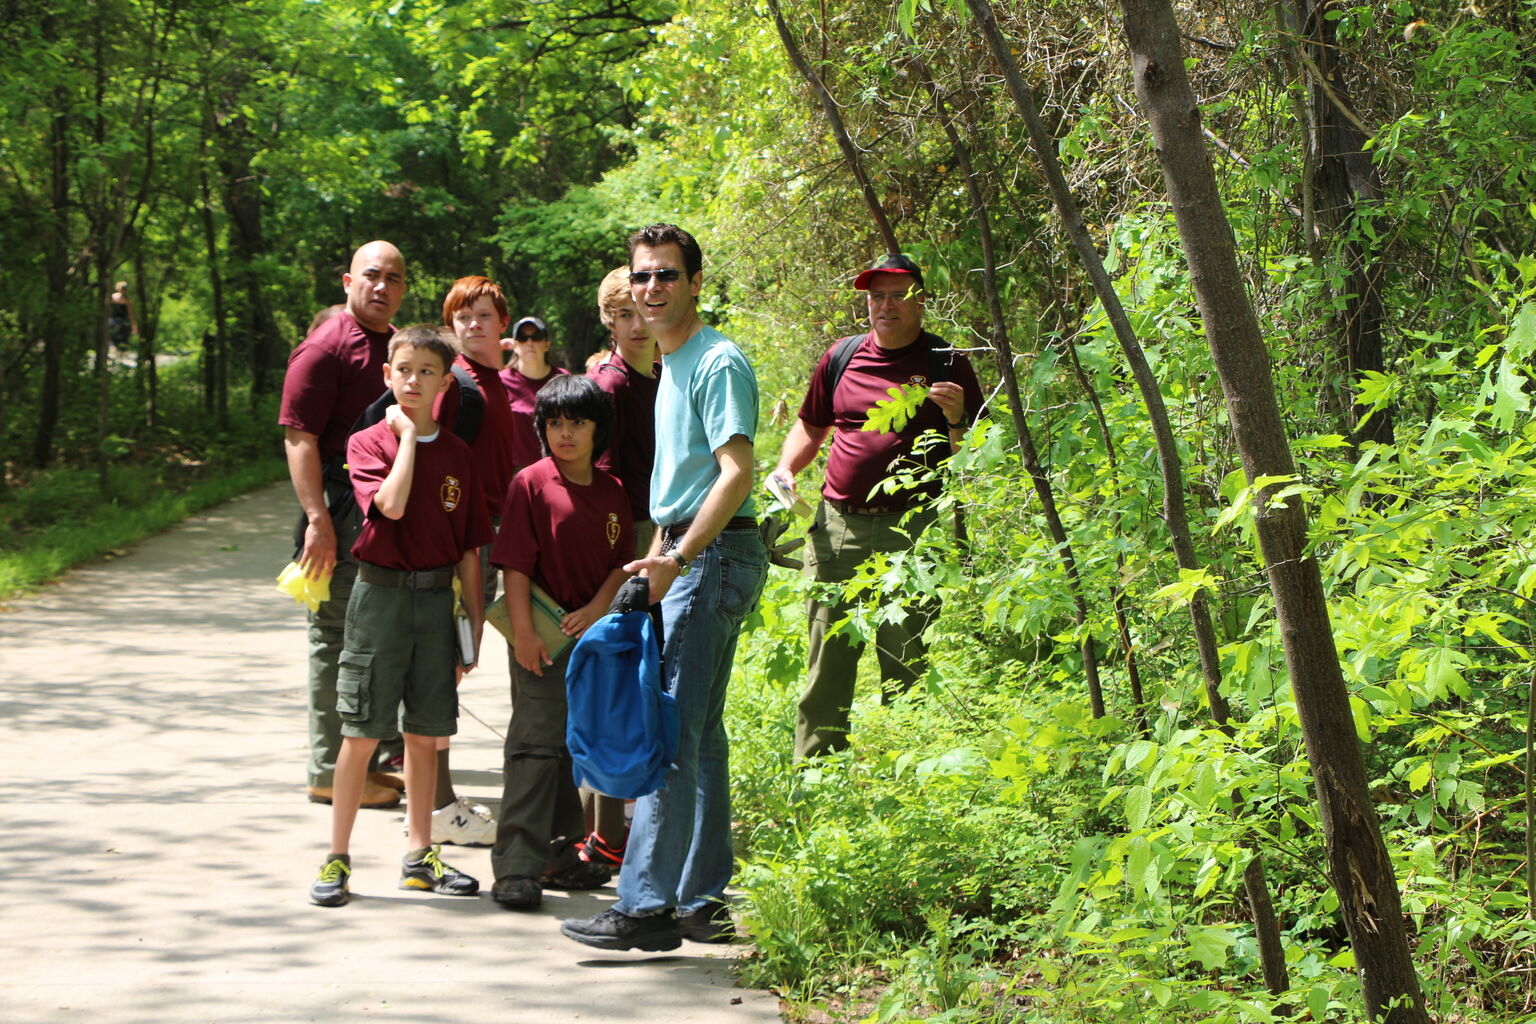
{"points": [[530, 337], [664, 276]]}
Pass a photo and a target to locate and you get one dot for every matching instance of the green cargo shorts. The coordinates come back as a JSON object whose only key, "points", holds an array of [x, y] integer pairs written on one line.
{"points": [[397, 670]]}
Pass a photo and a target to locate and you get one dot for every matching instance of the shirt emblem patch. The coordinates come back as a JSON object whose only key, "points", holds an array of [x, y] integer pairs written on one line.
{"points": [[917, 380], [450, 493], [613, 529]]}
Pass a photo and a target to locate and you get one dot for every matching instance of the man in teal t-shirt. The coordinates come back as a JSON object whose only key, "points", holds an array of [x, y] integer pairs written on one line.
{"points": [[706, 568]]}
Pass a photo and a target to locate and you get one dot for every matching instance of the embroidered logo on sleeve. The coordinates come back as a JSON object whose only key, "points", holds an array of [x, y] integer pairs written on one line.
{"points": [[613, 529], [451, 492]]}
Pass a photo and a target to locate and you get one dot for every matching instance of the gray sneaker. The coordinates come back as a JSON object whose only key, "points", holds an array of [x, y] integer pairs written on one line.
{"points": [[330, 889], [431, 874]]}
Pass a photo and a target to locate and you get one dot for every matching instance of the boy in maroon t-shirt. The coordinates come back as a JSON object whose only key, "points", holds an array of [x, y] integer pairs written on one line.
{"points": [[566, 527], [424, 521], [476, 311]]}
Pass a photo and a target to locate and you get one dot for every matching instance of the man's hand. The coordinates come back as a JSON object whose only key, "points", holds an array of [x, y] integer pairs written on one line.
{"points": [[399, 422], [950, 398], [661, 570], [318, 558]]}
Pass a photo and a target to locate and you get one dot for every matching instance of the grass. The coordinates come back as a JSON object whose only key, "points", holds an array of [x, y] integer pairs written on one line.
{"points": [[42, 552]]}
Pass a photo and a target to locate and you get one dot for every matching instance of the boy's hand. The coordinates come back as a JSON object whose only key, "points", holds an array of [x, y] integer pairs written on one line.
{"points": [[575, 623], [531, 652], [399, 422]]}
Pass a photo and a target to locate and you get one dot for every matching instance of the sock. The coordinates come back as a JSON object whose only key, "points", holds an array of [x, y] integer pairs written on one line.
{"points": [[416, 856], [445, 794], [343, 857]]}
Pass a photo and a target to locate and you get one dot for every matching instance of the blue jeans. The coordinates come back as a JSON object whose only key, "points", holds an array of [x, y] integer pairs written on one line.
{"points": [[679, 853]]}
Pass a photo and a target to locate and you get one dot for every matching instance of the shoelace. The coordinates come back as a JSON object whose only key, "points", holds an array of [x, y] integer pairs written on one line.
{"points": [[333, 871], [435, 862]]}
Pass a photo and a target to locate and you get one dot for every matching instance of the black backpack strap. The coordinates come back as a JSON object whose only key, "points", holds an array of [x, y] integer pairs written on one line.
{"points": [[842, 355], [471, 405]]}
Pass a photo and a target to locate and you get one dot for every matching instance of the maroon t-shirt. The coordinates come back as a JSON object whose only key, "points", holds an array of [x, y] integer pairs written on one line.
{"points": [[493, 444], [632, 443], [444, 512], [858, 459], [565, 537], [333, 375], [521, 391]]}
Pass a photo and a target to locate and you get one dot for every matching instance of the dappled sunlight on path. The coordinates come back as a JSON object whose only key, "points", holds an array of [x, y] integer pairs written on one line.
{"points": [[158, 845]]}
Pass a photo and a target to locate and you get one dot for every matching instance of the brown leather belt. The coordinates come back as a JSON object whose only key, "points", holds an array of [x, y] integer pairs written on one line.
{"points": [[847, 508], [405, 579], [676, 530]]}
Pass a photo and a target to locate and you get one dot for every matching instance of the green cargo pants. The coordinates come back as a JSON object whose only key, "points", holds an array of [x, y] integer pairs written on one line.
{"points": [[837, 544]]}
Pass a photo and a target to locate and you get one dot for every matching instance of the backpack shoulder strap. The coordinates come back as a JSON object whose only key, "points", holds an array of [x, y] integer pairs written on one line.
{"points": [[842, 355], [471, 405]]}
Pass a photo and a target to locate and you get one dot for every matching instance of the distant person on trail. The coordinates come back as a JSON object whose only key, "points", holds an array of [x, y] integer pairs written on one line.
{"points": [[424, 520], [529, 371], [854, 519], [121, 322], [706, 567], [567, 531], [476, 312], [333, 375], [629, 372]]}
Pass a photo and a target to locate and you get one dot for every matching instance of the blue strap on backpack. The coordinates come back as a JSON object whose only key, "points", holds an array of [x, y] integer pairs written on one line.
{"points": [[621, 727]]}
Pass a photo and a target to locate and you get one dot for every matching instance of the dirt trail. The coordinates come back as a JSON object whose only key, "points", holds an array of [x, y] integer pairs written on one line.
{"points": [[158, 846]]}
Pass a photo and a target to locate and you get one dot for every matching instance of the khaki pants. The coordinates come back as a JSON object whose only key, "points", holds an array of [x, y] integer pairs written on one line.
{"points": [[837, 544]]}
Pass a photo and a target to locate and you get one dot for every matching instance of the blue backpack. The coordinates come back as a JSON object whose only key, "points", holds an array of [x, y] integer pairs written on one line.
{"points": [[621, 728]]}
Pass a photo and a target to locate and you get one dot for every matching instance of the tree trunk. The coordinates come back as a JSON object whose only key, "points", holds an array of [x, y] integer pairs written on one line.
{"points": [[1174, 511], [1358, 863], [1002, 350], [215, 347], [1343, 178], [56, 270], [149, 327], [839, 131], [247, 245]]}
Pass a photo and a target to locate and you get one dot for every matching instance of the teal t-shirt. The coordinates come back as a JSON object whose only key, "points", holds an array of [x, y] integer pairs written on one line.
{"points": [[707, 395]]}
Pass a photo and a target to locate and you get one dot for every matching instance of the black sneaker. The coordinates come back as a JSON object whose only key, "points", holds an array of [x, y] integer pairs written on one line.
{"points": [[613, 930], [710, 923], [520, 893], [431, 874], [580, 876], [330, 889]]}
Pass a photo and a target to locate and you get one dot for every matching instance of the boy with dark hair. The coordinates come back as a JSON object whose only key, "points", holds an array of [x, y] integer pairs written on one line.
{"points": [[423, 522], [566, 528]]}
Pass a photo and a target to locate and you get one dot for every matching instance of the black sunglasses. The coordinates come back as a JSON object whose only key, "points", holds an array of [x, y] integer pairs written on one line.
{"points": [[530, 337], [664, 276]]}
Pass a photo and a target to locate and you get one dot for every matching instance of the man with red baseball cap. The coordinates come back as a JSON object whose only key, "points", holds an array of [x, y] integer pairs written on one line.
{"points": [[856, 517]]}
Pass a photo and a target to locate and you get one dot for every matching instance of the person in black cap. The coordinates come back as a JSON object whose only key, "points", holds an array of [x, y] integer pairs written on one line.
{"points": [[524, 378], [855, 518]]}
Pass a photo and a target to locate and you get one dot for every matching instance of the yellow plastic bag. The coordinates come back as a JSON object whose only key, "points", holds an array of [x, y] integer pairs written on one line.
{"points": [[302, 589]]}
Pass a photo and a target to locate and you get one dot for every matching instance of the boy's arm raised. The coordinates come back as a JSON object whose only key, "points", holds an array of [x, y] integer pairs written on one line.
{"points": [[391, 496]]}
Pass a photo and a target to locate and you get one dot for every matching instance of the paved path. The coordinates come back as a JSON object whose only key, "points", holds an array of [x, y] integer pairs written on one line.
{"points": [[157, 845]]}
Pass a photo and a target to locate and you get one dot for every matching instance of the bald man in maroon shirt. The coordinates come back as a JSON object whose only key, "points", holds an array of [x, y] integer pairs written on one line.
{"points": [[333, 375], [855, 519]]}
